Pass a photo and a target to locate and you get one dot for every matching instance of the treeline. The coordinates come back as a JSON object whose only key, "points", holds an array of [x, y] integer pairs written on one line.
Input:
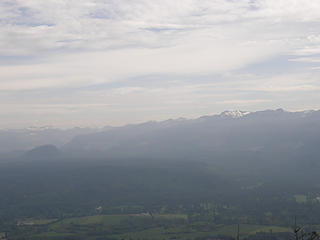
{"points": [[66, 188]]}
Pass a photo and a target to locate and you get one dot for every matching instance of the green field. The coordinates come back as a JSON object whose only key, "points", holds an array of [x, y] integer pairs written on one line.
{"points": [[32, 221], [300, 198], [171, 216], [91, 220], [142, 226]]}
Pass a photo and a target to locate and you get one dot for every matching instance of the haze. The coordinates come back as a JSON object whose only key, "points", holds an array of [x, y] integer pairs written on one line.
{"points": [[162, 120]]}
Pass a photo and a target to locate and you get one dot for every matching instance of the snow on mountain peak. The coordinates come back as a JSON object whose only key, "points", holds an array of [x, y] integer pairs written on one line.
{"points": [[234, 114]]}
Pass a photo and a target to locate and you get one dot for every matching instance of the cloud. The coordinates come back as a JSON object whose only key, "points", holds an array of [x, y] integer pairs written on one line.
{"points": [[200, 53], [92, 68], [306, 59], [100, 24]]}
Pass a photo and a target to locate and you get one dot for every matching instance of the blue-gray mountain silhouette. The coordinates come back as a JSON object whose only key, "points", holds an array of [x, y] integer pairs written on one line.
{"points": [[273, 132], [43, 152]]}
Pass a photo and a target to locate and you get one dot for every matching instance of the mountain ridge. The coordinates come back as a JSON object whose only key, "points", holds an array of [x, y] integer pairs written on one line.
{"points": [[210, 132], [270, 130]]}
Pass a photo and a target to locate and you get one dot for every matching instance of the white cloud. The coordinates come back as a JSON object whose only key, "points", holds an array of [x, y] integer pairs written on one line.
{"points": [[103, 24], [306, 59], [80, 43], [198, 53]]}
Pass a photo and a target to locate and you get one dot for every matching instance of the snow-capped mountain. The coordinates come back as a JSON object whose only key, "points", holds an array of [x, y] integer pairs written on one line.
{"points": [[270, 130], [234, 114]]}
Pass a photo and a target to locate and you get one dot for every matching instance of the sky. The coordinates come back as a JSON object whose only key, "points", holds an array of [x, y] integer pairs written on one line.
{"points": [[67, 63]]}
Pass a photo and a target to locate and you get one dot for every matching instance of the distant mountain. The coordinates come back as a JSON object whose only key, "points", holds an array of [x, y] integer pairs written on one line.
{"points": [[234, 114], [273, 132], [270, 134], [26, 139], [43, 152]]}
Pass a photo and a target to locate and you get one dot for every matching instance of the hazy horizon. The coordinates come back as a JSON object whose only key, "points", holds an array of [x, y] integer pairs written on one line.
{"points": [[106, 125]]}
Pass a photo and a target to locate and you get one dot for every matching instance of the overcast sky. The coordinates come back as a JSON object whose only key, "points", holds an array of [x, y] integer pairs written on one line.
{"points": [[71, 63]]}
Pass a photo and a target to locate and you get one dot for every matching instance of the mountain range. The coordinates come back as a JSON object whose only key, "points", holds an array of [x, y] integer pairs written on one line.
{"points": [[277, 133]]}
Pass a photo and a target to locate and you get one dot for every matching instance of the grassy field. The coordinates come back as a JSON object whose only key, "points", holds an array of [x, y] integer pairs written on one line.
{"points": [[111, 220], [300, 198], [32, 221], [171, 216], [50, 235], [144, 227], [183, 233], [90, 220]]}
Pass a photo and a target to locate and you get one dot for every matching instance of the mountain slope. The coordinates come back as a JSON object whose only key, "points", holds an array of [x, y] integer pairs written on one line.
{"points": [[274, 131], [26, 139], [43, 152]]}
